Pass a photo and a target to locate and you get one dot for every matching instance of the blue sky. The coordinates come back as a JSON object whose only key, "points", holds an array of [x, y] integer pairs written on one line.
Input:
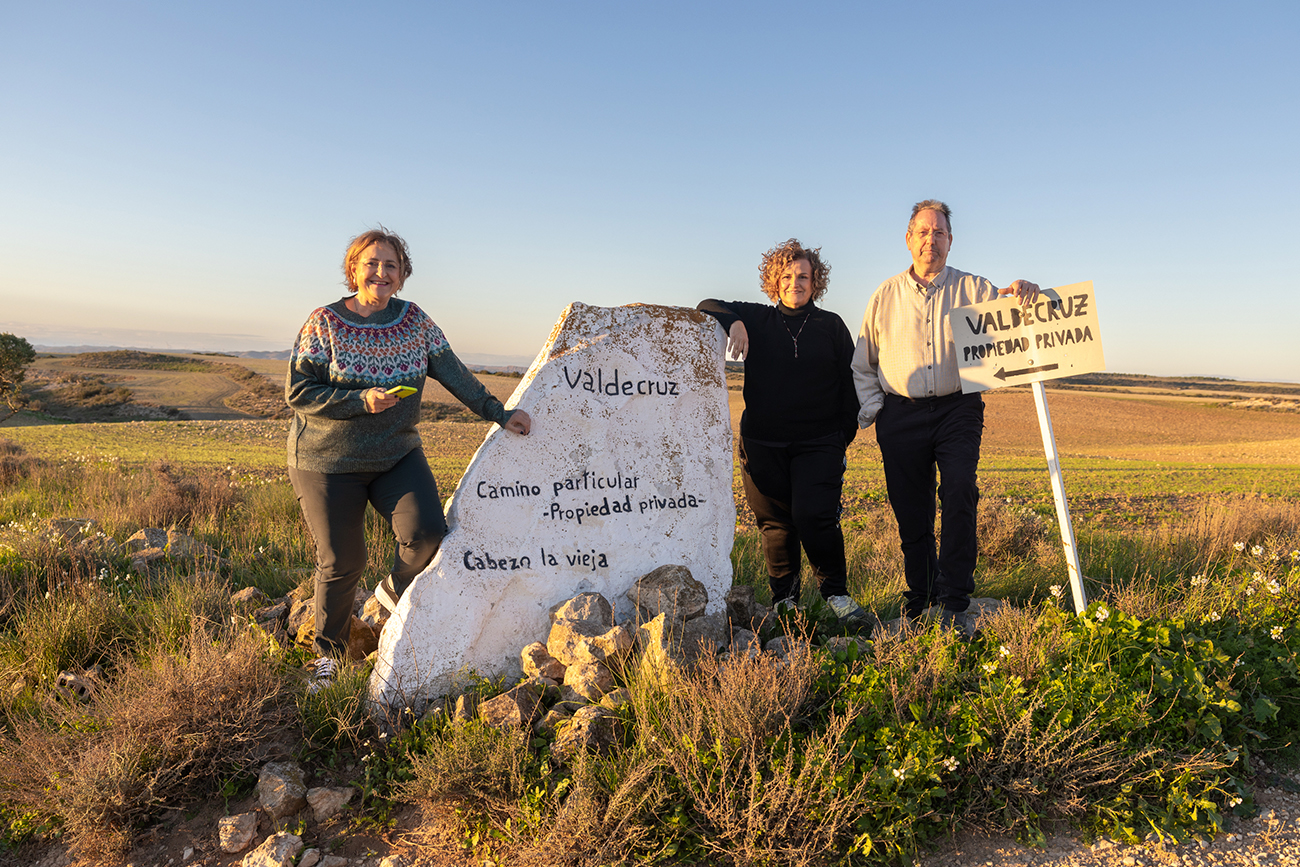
{"points": [[188, 174]]}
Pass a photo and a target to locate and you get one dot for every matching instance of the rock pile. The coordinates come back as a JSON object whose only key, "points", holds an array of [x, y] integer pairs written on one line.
{"points": [[570, 682], [291, 619]]}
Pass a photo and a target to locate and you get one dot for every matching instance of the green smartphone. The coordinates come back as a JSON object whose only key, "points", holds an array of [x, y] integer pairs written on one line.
{"points": [[401, 390]]}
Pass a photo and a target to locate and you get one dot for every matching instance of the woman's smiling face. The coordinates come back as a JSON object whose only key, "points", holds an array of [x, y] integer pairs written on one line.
{"points": [[378, 275]]}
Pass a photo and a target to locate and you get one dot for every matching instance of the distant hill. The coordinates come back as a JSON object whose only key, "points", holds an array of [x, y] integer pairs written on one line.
{"points": [[280, 354]]}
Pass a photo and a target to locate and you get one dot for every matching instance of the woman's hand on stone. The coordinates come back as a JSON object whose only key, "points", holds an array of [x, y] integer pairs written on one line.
{"points": [[519, 423]]}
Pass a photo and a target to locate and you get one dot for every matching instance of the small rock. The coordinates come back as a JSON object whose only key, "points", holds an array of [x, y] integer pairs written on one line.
{"points": [[514, 709], [590, 607], [236, 832], [548, 724], [591, 680], [300, 611], [740, 605], [333, 861], [593, 728], [278, 850], [249, 596], [188, 853], [309, 858], [616, 699], [149, 537], [325, 801], [271, 614], [746, 643], [538, 662], [146, 557], [281, 789], [670, 590], [373, 614], [466, 707]]}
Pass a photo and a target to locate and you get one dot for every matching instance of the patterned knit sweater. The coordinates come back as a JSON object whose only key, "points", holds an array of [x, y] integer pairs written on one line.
{"points": [[338, 356]]}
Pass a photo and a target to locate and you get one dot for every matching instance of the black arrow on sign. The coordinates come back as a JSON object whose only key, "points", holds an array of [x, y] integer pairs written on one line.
{"points": [[1003, 373]]}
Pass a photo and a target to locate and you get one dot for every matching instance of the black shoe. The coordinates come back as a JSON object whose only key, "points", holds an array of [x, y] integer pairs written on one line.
{"points": [[959, 622]]}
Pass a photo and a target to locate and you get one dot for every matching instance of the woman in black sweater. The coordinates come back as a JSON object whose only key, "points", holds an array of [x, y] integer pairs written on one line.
{"points": [[801, 412]]}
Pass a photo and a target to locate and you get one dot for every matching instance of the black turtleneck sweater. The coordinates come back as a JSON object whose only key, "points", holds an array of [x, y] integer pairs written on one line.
{"points": [[789, 397]]}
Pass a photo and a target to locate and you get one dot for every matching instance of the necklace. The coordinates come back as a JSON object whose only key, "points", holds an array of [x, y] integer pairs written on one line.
{"points": [[795, 337]]}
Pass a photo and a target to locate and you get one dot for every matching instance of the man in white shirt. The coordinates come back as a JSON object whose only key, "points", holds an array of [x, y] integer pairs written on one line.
{"points": [[905, 371]]}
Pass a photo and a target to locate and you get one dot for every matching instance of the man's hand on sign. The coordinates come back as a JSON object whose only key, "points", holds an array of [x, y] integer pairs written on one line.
{"points": [[737, 340], [1025, 292]]}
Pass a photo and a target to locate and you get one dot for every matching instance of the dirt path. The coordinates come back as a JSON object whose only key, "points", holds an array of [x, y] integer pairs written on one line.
{"points": [[1272, 836]]}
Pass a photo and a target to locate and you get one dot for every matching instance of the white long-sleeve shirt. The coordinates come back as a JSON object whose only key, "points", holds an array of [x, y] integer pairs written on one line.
{"points": [[905, 345]]}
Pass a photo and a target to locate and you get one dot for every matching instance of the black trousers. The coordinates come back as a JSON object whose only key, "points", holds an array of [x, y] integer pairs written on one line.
{"points": [[334, 505], [794, 492], [918, 437]]}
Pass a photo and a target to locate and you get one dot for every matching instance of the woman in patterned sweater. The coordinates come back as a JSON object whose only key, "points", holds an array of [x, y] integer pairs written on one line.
{"points": [[355, 380]]}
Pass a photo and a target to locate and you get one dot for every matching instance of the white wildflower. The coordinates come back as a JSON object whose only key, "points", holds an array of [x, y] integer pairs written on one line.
{"points": [[1240, 546], [1274, 588], [1276, 633], [1056, 590], [1004, 651], [1258, 550], [951, 763], [1214, 616], [1234, 801], [989, 667], [1102, 613]]}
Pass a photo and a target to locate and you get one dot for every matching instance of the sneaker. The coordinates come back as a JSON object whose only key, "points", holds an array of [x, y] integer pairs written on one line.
{"points": [[847, 609], [386, 593], [322, 672]]}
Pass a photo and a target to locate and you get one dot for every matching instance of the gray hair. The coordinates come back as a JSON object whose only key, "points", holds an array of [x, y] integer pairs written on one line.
{"points": [[931, 205]]}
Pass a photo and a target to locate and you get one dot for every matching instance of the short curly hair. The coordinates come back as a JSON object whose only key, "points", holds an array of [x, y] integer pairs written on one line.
{"points": [[358, 245], [780, 257]]}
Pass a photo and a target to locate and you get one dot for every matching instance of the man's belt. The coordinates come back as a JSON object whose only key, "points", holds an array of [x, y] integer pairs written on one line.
{"points": [[924, 401]]}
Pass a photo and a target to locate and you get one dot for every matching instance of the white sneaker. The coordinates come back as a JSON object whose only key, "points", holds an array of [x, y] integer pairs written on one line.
{"points": [[386, 593], [847, 609], [322, 671]]}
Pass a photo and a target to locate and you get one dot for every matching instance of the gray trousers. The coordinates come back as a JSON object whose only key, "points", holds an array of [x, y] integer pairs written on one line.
{"points": [[334, 504]]}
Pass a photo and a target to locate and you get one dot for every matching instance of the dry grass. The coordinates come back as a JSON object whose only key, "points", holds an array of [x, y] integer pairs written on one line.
{"points": [[471, 760], [1035, 771], [726, 738], [162, 737]]}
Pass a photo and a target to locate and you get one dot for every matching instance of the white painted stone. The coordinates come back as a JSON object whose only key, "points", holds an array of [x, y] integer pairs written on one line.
{"points": [[631, 396]]}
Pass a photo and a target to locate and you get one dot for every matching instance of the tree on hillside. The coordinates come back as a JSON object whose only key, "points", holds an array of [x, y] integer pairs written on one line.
{"points": [[15, 354]]}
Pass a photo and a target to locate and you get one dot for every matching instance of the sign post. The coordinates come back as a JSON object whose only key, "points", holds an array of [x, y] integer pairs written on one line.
{"points": [[1000, 344]]}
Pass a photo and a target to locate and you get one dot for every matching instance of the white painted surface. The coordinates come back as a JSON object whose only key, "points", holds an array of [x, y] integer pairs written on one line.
{"points": [[628, 467]]}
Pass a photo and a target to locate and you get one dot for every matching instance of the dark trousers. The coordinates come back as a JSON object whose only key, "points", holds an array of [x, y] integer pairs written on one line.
{"points": [[916, 438], [334, 505], [794, 492]]}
